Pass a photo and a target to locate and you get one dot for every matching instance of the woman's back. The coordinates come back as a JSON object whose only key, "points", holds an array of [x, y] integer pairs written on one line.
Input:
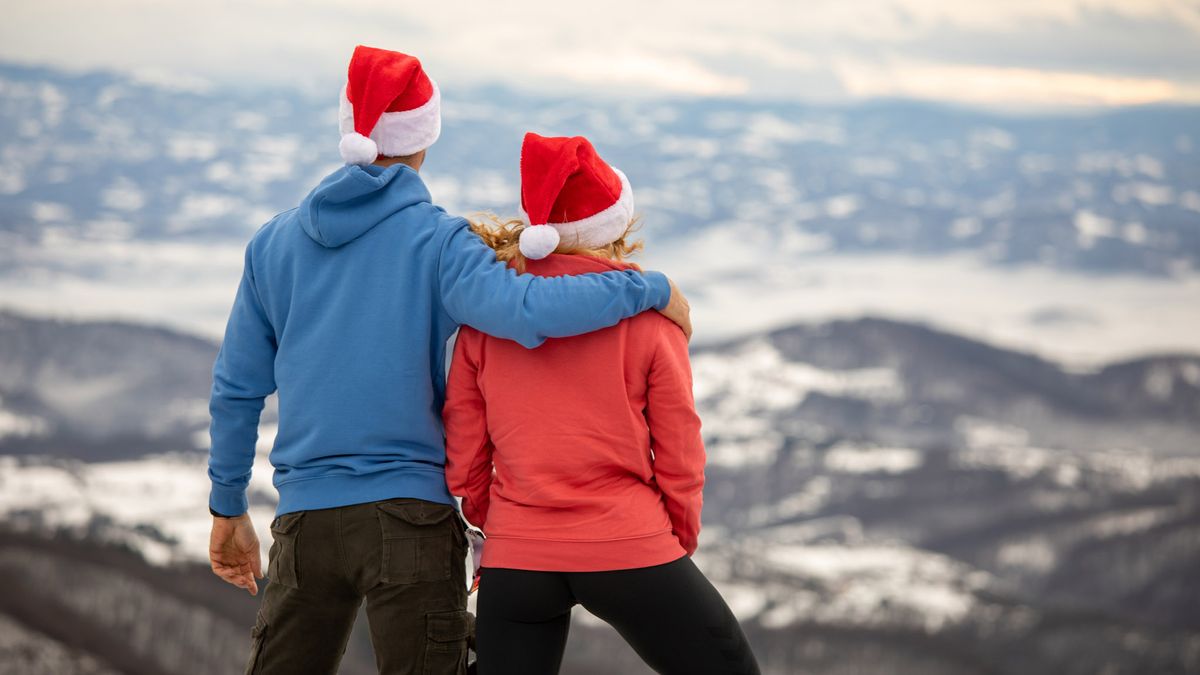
{"points": [[594, 440]]}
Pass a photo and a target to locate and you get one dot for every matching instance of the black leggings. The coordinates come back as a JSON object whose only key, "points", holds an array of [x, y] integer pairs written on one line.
{"points": [[670, 614]]}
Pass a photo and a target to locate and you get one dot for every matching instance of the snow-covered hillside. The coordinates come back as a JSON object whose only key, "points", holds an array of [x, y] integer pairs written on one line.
{"points": [[866, 479], [1075, 237]]}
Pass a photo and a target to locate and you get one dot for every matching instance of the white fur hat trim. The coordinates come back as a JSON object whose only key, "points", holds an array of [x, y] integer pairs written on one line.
{"points": [[398, 134], [599, 229]]}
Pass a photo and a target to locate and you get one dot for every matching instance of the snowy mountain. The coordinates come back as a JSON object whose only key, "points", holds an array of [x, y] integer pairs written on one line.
{"points": [[1075, 237], [870, 478], [882, 497], [100, 390], [99, 157]]}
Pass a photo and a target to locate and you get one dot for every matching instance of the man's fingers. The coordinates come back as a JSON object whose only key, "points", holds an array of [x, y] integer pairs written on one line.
{"points": [[237, 575], [679, 311], [234, 553], [245, 581]]}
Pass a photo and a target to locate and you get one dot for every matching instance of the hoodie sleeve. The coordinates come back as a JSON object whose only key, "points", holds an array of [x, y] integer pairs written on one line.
{"points": [[675, 435], [468, 445], [479, 291], [243, 376]]}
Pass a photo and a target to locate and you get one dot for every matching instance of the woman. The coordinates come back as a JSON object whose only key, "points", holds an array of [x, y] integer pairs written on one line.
{"points": [[582, 460]]}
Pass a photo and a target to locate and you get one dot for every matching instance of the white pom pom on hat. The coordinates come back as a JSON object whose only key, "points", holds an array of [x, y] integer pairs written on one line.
{"points": [[538, 241], [358, 149]]}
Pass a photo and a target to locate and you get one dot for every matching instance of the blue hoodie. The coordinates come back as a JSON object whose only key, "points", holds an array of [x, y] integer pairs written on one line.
{"points": [[345, 306]]}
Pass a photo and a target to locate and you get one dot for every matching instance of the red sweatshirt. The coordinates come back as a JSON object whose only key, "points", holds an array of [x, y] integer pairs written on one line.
{"points": [[583, 454]]}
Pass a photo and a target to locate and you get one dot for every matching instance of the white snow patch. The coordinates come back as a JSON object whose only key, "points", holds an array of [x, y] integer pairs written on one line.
{"points": [[874, 166], [966, 227], [209, 205], [12, 179], [741, 452], [1190, 372], [50, 212], [807, 500], [1190, 200], [221, 173], [167, 493], [110, 229], [871, 585], [1090, 227], [764, 132], [1159, 382], [1135, 233], [1149, 166], [849, 458], [123, 195], [270, 158], [992, 137], [756, 377], [842, 206], [1033, 555], [54, 103], [22, 426], [1149, 194], [689, 146], [185, 147], [989, 445], [248, 120]]}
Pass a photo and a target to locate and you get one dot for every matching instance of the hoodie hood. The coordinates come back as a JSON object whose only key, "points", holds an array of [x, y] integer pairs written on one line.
{"points": [[354, 199]]}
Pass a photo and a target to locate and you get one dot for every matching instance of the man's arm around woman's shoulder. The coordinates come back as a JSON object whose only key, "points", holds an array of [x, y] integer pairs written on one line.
{"points": [[479, 291]]}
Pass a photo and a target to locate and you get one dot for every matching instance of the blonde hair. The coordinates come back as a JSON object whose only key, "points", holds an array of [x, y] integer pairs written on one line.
{"points": [[504, 235]]}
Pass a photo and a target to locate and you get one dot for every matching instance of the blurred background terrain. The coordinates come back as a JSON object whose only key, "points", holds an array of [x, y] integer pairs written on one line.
{"points": [[947, 350]]}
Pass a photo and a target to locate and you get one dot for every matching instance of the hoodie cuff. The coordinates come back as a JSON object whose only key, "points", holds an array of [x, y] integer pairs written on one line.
{"points": [[660, 289], [229, 502]]}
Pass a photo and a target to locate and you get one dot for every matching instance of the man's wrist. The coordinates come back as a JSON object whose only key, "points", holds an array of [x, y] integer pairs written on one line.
{"points": [[661, 286], [227, 502]]}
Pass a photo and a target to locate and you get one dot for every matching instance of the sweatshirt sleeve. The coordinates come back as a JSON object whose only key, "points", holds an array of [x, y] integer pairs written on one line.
{"points": [[468, 446], [479, 291], [243, 376], [675, 434]]}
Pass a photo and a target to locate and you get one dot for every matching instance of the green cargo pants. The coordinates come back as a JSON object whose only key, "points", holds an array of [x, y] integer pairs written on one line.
{"points": [[405, 556]]}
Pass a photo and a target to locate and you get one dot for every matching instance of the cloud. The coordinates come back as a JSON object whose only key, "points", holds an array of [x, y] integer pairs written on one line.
{"points": [[1148, 50], [1006, 88], [628, 69]]}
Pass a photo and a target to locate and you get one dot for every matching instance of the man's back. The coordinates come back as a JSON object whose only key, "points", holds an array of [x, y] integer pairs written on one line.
{"points": [[349, 293]]}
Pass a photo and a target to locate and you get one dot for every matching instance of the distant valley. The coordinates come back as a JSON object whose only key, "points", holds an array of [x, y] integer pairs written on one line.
{"points": [[878, 493]]}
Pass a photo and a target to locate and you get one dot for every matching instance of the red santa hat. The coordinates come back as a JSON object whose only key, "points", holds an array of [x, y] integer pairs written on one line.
{"points": [[569, 194], [389, 107]]}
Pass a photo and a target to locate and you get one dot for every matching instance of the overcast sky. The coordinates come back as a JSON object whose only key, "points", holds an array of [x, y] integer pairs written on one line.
{"points": [[1014, 54]]}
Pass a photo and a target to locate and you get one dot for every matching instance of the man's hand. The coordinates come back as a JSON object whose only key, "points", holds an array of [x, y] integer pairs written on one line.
{"points": [[679, 311], [234, 553]]}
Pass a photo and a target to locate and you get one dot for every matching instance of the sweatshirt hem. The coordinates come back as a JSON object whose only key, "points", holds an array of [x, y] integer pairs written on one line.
{"points": [[567, 555], [327, 492]]}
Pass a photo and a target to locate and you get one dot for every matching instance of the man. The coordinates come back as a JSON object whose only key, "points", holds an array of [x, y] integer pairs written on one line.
{"points": [[344, 308]]}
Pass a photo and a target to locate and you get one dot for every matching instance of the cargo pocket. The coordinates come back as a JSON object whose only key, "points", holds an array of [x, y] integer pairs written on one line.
{"points": [[258, 636], [418, 539], [282, 568], [446, 642]]}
